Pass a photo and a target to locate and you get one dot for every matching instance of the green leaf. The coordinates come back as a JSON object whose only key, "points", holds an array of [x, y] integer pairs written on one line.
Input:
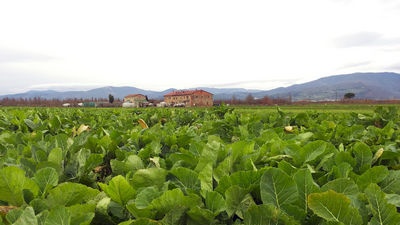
{"points": [[131, 163], [146, 196], [67, 194], [175, 216], [200, 215], [215, 202], [187, 177], [59, 215], [312, 150], [342, 170], [240, 149], [334, 207], [391, 184], [249, 180], [383, 212], [82, 214], [148, 177], [363, 156], [278, 188], [393, 199], [342, 185], [140, 213], [55, 156], [206, 179], [119, 190], [46, 179], [267, 215], [238, 200], [305, 186], [12, 184], [146, 221], [30, 124], [170, 199], [373, 175], [27, 217]]}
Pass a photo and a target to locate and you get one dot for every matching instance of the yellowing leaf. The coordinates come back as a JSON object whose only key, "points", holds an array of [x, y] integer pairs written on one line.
{"points": [[143, 124], [4, 209], [377, 155], [83, 128], [289, 129]]}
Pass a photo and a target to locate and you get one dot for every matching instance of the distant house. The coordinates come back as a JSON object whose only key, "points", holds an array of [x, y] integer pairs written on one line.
{"points": [[189, 98], [135, 100]]}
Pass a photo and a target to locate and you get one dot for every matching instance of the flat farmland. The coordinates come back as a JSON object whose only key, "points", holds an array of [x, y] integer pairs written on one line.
{"points": [[298, 164]]}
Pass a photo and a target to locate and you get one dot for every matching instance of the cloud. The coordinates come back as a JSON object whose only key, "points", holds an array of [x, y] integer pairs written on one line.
{"points": [[66, 86], [356, 64], [364, 38], [11, 55], [256, 84], [394, 67]]}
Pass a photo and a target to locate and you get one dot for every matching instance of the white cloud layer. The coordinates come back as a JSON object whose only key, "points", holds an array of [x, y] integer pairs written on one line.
{"points": [[157, 44]]}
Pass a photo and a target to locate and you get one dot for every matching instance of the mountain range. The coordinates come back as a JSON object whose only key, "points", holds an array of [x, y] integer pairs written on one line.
{"points": [[374, 86]]}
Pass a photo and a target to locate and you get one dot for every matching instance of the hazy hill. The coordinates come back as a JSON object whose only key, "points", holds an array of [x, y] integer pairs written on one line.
{"points": [[376, 86]]}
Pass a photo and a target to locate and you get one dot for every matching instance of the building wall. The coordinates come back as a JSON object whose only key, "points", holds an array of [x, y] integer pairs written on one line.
{"points": [[190, 98], [135, 98], [203, 99]]}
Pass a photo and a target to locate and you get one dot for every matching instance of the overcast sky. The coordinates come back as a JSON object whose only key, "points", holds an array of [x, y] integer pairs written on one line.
{"points": [[161, 44]]}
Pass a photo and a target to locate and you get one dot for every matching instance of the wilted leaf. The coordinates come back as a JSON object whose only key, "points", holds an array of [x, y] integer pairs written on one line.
{"points": [[4, 209], [143, 124], [377, 155]]}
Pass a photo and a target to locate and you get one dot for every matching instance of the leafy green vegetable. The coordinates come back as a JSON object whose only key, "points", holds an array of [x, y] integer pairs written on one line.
{"points": [[267, 215], [27, 217], [238, 200], [219, 165], [119, 190], [335, 207], [383, 212], [68, 194], [46, 179], [278, 188], [59, 215], [12, 185]]}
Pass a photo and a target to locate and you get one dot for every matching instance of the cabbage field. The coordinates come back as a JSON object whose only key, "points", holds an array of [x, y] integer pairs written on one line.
{"points": [[218, 165]]}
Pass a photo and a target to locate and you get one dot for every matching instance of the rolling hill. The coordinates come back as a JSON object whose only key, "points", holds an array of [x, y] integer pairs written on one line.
{"points": [[375, 86]]}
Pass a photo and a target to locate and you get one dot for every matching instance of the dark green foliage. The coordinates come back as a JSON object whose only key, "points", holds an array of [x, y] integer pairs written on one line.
{"points": [[217, 165]]}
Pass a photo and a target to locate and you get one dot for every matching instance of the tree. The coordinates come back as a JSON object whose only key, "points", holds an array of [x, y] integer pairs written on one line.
{"points": [[349, 95], [249, 99], [110, 98]]}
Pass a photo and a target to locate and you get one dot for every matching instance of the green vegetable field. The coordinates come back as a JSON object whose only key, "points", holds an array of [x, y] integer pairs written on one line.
{"points": [[202, 166]]}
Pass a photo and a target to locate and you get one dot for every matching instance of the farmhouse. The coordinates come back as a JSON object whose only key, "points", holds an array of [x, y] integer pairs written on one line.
{"points": [[189, 98], [135, 100]]}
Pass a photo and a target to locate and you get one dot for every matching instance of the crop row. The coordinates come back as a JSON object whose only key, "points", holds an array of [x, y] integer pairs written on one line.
{"points": [[198, 166]]}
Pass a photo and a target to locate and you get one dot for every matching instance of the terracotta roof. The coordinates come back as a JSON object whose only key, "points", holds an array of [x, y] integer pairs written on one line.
{"points": [[134, 95], [186, 92]]}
